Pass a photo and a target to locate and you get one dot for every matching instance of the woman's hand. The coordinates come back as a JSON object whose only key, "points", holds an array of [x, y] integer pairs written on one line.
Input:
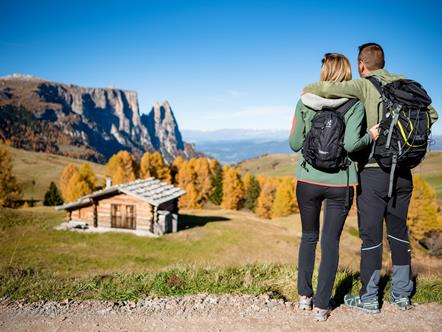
{"points": [[374, 132]]}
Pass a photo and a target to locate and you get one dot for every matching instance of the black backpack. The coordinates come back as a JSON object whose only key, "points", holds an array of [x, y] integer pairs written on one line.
{"points": [[324, 143], [404, 130]]}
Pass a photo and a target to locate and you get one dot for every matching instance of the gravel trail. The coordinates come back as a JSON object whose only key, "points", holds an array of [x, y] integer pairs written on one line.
{"points": [[206, 313]]}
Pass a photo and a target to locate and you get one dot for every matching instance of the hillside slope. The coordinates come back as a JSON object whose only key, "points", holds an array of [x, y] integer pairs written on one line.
{"points": [[35, 170], [285, 164]]}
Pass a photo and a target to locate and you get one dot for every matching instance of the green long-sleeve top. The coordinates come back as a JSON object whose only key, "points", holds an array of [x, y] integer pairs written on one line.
{"points": [[353, 141], [365, 91]]}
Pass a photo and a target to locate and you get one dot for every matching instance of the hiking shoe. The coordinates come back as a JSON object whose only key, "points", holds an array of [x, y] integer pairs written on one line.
{"points": [[321, 315], [354, 301], [305, 303], [402, 301]]}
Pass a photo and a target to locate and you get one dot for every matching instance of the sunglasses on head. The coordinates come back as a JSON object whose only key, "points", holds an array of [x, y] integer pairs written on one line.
{"points": [[328, 55]]}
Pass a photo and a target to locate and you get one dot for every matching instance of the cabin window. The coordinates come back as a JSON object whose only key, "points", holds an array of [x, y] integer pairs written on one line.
{"points": [[123, 216]]}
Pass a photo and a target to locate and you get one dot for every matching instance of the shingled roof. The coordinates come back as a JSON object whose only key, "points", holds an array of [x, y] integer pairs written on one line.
{"points": [[151, 190]]}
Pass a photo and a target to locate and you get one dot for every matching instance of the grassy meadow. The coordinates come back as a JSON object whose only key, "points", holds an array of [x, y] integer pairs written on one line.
{"points": [[216, 251]]}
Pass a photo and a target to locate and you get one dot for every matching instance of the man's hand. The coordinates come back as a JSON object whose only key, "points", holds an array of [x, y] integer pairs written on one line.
{"points": [[374, 132]]}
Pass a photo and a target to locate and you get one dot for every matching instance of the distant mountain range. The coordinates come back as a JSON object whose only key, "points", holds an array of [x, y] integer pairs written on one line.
{"points": [[231, 146], [196, 136], [86, 123], [436, 142]]}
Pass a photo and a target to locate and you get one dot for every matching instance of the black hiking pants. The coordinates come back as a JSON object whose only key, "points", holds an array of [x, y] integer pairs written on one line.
{"points": [[310, 198], [373, 207]]}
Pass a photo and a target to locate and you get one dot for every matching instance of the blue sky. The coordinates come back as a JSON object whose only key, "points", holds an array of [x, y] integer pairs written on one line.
{"points": [[220, 64]]}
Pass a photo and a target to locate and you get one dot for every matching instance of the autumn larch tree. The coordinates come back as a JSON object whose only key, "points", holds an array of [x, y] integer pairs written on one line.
{"points": [[233, 192], [203, 179], [152, 165], [69, 171], [285, 199], [266, 197], [10, 192], [185, 177], [422, 214], [122, 168], [175, 168], [190, 200], [82, 183]]}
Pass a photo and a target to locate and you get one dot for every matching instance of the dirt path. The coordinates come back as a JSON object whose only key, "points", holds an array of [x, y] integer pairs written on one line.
{"points": [[205, 313]]}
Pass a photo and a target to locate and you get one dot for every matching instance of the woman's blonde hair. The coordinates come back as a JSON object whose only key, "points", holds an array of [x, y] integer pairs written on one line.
{"points": [[335, 67]]}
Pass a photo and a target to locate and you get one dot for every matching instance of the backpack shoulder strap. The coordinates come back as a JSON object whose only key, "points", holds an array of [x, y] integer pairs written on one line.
{"points": [[344, 108], [377, 84]]}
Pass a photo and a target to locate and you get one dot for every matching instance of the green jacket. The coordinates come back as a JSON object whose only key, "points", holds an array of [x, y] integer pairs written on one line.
{"points": [[365, 91], [353, 141]]}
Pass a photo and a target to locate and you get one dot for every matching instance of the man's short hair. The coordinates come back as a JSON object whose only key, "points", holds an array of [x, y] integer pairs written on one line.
{"points": [[372, 55]]}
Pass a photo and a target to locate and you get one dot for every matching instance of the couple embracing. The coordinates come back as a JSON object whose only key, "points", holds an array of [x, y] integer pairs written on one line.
{"points": [[362, 135]]}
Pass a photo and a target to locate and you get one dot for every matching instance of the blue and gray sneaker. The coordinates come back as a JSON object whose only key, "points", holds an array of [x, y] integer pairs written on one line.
{"points": [[305, 303], [354, 301], [402, 301]]}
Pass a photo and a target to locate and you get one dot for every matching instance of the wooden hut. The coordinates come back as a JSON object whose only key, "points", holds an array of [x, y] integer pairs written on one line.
{"points": [[148, 205]]}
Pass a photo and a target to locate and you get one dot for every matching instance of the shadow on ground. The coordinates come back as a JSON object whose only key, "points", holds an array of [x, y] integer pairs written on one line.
{"points": [[344, 287], [187, 221]]}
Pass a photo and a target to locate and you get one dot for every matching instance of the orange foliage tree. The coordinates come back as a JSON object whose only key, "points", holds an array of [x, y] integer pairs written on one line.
{"points": [[196, 178], [266, 197], [68, 172], [285, 202], [122, 167], [152, 165], [423, 215], [10, 192], [233, 192], [81, 183]]}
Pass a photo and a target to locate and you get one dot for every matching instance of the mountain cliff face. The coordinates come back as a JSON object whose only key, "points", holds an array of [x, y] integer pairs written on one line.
{"points": [[88, 123], [163, 129]]}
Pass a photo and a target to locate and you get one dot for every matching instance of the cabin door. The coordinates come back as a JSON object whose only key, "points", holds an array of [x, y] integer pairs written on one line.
{"points": [[130, 217], [123, 216]]}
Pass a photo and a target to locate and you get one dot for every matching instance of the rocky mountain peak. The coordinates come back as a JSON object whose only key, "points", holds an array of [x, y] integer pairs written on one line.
{"points": [[88, 123], [163, 129]]}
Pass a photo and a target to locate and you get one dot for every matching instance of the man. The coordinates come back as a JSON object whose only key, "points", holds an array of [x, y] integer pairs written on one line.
{"points": [[373, 202]]}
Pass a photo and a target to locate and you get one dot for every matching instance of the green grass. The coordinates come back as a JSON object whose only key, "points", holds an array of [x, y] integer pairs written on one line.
{"points": [[277, 281], [42, 168], [214, 237]]}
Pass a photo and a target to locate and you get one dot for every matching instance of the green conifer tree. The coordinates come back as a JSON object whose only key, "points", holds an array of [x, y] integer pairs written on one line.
{"points": [[217, 193], [252, 190], [52, 196]]}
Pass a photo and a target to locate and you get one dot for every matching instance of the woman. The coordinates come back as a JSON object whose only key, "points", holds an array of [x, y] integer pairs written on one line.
{"points": [[314, 186]]}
